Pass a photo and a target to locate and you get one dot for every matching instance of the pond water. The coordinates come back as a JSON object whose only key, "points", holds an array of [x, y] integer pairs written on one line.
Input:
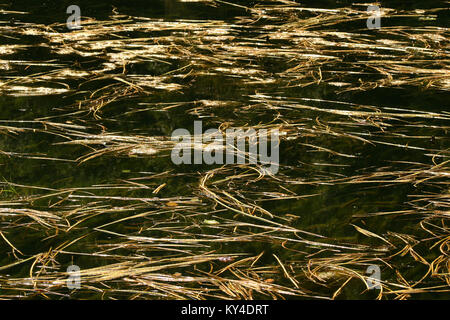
{"points": [[87, 177]]}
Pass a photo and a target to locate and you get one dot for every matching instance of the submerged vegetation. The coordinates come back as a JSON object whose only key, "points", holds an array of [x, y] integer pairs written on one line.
{"points": [[85, 142]]}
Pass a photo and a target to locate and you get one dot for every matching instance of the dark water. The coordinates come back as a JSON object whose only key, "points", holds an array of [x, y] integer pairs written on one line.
{"points": [[236, 75]]}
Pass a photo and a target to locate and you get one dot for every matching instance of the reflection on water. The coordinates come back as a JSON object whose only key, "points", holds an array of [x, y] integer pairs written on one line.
{"points": [[87, 177]]}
